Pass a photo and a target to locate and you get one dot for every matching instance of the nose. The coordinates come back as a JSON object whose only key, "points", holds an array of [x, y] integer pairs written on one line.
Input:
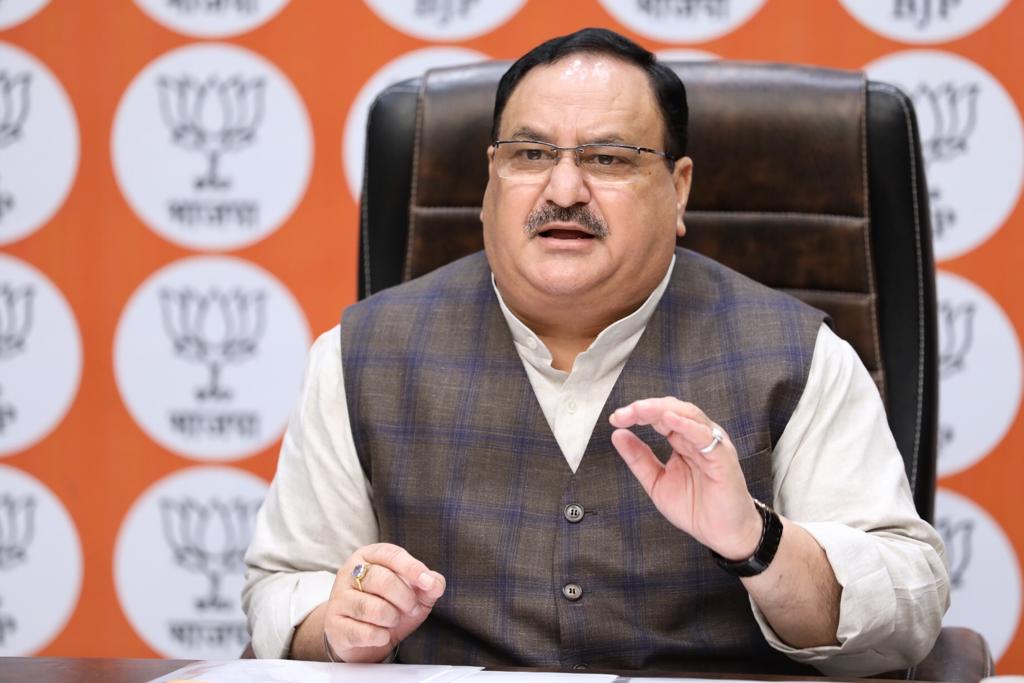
{"points": [[566, 185]]}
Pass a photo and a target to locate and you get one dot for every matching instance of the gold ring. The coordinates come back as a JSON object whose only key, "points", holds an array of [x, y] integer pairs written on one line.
{"points": [[359, 573]]}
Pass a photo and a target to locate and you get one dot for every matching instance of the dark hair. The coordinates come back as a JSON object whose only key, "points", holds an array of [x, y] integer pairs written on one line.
{"points": [[669, 90]]}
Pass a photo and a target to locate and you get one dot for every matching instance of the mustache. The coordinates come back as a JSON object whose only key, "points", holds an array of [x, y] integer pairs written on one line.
{"points": [[553, 213]]}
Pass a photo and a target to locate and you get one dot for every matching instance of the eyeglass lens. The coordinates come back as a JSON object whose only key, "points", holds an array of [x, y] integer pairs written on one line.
{"points": [[530, 161]]}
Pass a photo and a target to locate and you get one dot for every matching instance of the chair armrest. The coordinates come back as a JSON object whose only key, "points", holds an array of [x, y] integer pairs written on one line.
{"points": [[960, 655]]}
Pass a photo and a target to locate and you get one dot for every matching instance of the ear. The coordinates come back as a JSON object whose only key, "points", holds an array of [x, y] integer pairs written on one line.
{"points": [[490, 175], [682, 175]]}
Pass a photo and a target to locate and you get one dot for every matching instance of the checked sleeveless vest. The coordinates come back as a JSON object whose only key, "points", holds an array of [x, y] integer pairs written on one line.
{"points": [[467, 476]]}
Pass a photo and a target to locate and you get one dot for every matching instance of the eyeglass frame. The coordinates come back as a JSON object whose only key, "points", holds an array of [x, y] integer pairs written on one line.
{"points": [[576, 149]]}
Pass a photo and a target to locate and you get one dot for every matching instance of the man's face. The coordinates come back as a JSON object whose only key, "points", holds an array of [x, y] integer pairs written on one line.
{"points": [[538, 251]]}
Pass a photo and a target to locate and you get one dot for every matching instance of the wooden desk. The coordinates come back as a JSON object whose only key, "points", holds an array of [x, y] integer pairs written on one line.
{"points": [[73, 670]]}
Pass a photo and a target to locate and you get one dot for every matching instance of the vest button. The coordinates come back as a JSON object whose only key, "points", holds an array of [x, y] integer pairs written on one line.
{"points": [[572, 591], [573, 513]]}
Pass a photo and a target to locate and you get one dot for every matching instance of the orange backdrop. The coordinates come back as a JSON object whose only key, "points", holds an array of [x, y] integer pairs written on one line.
{"points": [[97, 250]]}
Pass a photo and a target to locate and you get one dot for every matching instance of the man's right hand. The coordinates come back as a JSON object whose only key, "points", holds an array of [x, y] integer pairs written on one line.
{"points": [[398, 592]]}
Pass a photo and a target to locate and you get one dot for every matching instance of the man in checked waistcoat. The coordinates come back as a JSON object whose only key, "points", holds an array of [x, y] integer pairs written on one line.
{"points": [[585, 447]]}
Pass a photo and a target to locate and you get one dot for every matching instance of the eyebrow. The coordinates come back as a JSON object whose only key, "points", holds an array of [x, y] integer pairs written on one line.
{"points": [[527, 133], [599, 139]]}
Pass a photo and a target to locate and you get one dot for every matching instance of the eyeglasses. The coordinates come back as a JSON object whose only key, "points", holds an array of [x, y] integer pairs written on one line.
{"points": [[604, 163]]}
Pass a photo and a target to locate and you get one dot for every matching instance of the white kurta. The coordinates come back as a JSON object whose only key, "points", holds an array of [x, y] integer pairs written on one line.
{"points": [[836, 472]]}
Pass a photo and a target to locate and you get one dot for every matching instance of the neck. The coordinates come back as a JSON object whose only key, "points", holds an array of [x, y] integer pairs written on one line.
{"points": [[567, 328]]}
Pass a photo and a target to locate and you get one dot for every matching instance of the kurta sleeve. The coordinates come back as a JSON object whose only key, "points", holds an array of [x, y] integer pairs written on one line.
{"points": [[839, 475], [317, 512]]}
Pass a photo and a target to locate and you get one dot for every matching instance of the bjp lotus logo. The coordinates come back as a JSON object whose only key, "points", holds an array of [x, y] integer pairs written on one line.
{"points": [[17, 528], [210, 539], [15, 324], [7, 625], [13, 106], [945, 437], [943, 216], [215, 329], [212, 117], [958, 539], [956, 334], [13, 113], [15, 318], [948, 114]]}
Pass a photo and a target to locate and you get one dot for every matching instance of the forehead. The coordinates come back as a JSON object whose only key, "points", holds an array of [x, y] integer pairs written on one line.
{"points": [[584, 97]]}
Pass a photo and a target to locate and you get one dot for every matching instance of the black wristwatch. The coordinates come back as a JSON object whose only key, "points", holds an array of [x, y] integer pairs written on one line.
{"points": [[764, 553]]}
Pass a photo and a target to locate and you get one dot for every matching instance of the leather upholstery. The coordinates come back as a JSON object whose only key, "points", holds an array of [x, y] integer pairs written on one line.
{"points": [[960, 656], [809, 180]]}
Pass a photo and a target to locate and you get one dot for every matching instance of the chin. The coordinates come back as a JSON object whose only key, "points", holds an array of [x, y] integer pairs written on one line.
{"points": [[564, 282]]}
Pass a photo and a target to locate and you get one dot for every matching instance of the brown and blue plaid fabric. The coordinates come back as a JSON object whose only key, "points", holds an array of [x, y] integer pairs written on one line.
{"points": [[468, 477]]}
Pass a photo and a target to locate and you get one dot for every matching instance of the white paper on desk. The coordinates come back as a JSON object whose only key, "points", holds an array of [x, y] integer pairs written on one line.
{"points": [[638, 679], [537, 677], [291, 671]]}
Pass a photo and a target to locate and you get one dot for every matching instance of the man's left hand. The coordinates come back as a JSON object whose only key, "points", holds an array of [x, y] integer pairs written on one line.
{"points": [[703, 494]]}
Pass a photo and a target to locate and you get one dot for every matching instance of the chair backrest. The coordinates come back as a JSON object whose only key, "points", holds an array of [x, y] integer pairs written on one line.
{"points": [[808, 180]]}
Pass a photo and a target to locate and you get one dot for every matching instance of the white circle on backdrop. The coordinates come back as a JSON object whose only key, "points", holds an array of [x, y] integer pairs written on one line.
{"points": [[38, 144], [40, 355], [979, 373], [13, 12], [178, 561], [212, 146], [445, 19], [209, 356], [204, 19], [924, 21], [686, 55], [409, 65], [40, 564], [972, 141], [682, 21], [983, 568]]}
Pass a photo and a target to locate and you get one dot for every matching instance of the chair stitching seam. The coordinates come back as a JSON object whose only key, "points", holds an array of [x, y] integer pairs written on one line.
{"points": [[364, 208], [831, 293], [451, 209], [872, 286], [414, 182], [691, 212], [920, 275], [794, 214]]}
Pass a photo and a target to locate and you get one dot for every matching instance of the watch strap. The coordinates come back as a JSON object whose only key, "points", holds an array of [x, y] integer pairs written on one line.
{"points": [[764, 553]]}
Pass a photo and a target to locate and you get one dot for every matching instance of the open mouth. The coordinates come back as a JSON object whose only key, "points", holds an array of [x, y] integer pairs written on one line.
{"points": [[566, 234]]}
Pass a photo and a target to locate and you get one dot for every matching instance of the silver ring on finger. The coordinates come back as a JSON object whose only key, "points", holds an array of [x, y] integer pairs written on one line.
{"points": [[716, 438]]}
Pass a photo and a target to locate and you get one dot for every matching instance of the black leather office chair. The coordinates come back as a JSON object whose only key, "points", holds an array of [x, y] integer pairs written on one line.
{"points": [[808, 180]]}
